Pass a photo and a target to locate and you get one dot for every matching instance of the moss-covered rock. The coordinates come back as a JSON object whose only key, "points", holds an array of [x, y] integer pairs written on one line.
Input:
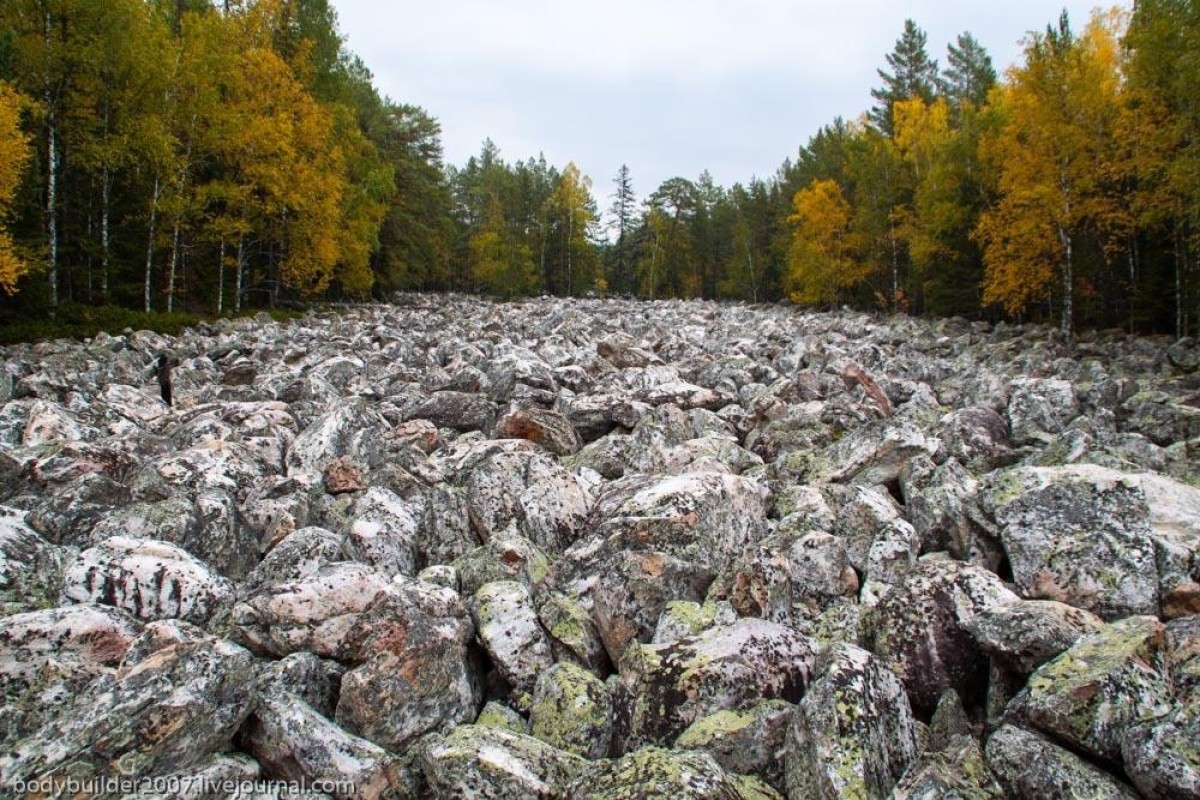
{"points": [[749, 742], [1030, 768], [853, 733], [1094, 693], [665, 688], [656, 774], [474, 762], [572, 711], [497, 715]]}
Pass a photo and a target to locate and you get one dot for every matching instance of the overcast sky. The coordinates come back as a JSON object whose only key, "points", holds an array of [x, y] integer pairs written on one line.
{"points": [[669, 87]]}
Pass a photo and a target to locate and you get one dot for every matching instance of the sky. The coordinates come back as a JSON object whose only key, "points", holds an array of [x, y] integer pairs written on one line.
{"points": [[667, 87]]}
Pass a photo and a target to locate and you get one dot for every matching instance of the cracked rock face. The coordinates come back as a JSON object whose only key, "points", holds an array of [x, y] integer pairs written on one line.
{"points": [[604, 549]]}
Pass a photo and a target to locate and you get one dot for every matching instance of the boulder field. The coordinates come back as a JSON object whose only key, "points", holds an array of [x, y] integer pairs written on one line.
{"points": [[600, 549]]}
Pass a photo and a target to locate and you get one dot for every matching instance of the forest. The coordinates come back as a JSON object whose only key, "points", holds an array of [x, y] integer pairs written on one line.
{"points": [[168, 155]]}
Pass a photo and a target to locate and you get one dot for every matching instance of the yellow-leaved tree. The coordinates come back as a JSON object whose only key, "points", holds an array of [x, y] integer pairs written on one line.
{"points": [[1056, 158], [14, 156], [821, 262]]}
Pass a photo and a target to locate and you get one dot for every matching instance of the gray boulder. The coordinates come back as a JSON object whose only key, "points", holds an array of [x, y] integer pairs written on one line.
{"points": [[853, 733]]}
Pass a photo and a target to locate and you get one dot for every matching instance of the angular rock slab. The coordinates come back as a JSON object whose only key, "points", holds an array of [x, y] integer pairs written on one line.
{"points": [[473, 762], [751, 742], [31, 569], [508, 627], [853, 733], [1162, 756], [149, 579], [163, 715], [572, 711], [920, 630], [1030, 768], [1025, 635], [1109, 542], [653, 772], [315, 613], [1092, 695], [665, 688], [415, 673], [295, 743]]}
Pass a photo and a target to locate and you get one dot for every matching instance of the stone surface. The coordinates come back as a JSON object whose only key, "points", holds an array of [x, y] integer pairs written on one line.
{"points": [[677, 515], [853, 733], [474, 761], [665, 688], [1028, 767], [151, 580]]}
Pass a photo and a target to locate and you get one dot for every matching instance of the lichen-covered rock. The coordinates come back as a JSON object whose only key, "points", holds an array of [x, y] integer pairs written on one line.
{"points": [[631, 591], [473, 762], [165, 714], [1162, 756], [873, 455], [572, 711], [298, 555], [792, 575], [512, 558], [681, 619], [1079, 535], [573, 633], [48, 656], [1040, 408], [750, 742], [958, 771], [458, 410], [1092, 695], [975, 436], [342, 476], [550, 429], [507, 624], [350, 429], [497, 715], [1184, 657], [512, 487], [31, 569], [703, 518], [665, 688], [315, 612], [414, 672], [853, 733], [1027, 634], [293, 742], [1029, 767], [919, 630], [658, 774], [151, 580], [383, 532]]}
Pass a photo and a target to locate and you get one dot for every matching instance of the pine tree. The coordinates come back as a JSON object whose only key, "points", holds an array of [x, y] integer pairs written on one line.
{"points": [[969, 74], [622, 212], [913, 74]]}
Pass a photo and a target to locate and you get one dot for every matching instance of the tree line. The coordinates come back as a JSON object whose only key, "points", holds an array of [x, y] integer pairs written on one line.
{"points": [[169, 154]]}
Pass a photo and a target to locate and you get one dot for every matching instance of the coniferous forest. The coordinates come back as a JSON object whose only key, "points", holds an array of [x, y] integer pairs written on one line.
{"points": [[167, 155]]}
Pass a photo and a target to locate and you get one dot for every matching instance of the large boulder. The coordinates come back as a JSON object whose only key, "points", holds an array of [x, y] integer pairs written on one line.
{"points": [[853, 733], [572, 711], [165, 714], [920, 630], [665, 688], [508, 627], [151, 580], [653, 772], [474, 762], [1093, 695], [31, 569], [1105, 541], [315, 612], [414, 671], [1029, 767]]}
